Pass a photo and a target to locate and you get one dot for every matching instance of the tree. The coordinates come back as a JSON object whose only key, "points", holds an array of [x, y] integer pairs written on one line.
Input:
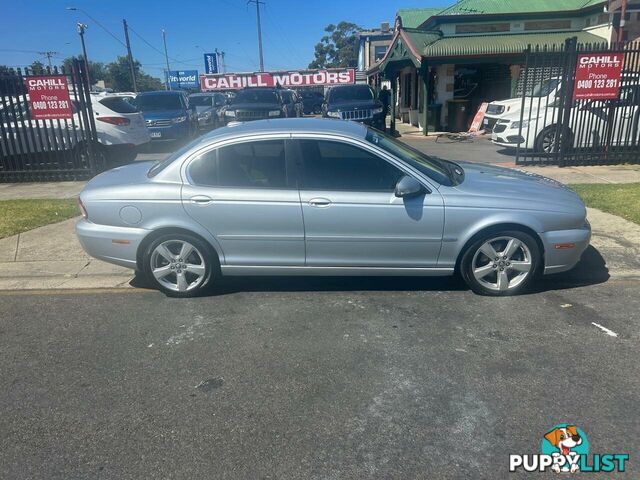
{"points": [[97, 70], [37, 67], [339, 48], [118, 77]]}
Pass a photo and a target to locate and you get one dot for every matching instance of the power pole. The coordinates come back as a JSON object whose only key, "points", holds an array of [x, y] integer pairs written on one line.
{"points": [[81, 28], [623, 13], [166, 57], [131, 66], [224, 66], [258, 2], [48, 54]]}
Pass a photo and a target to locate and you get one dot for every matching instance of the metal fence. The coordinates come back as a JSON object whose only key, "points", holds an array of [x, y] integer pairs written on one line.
{"points": [[557, 127], [46, 149]]}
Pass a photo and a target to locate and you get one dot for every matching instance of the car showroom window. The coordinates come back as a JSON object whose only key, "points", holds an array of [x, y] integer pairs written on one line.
{"points": [[258, 164], [329, 165]]}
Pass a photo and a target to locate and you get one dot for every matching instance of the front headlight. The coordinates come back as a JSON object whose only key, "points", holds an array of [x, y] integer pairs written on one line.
{"points": [[229, 113], [179, 119], [274, 113], [333, 114], [377, 110], [525, 123]]}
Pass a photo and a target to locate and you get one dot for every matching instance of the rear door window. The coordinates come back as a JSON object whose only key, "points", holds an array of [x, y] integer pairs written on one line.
{"points": [[259, 164]]}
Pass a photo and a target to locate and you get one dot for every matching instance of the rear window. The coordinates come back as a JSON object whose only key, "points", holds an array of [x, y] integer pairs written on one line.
{"points": [[118, 105]]}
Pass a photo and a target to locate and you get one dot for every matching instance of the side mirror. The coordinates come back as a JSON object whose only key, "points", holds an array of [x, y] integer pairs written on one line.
{"points": [[408, 187]]}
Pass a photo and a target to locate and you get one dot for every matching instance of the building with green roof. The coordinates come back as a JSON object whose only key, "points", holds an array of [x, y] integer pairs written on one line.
{"points": [[473, 51]]}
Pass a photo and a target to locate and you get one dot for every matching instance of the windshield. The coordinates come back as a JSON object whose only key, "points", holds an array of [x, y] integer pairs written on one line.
{"points": [[201, 101], [434, 168], [256, 96], [150, 103], [545, 88], [359, 92]]}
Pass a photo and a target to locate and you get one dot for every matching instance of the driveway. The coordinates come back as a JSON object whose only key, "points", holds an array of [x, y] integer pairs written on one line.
{"points": [[319, 378]]}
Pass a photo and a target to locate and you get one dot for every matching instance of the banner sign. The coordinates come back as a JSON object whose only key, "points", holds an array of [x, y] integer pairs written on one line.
{"points": [[210, 63], [477, 120], [598, 76], [49, 97], [303, 78], [183, 78]]}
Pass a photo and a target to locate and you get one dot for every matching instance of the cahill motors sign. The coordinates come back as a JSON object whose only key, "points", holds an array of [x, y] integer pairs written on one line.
{"points": [[598, 76], [304, 78], [49, 97]]}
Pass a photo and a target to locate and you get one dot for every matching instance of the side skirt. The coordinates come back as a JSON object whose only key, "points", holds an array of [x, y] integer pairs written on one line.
{"points": [[240, 270]]}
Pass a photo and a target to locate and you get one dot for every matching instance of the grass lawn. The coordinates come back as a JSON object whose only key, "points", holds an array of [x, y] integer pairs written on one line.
{"points": [[622, 199], [17, 216]]}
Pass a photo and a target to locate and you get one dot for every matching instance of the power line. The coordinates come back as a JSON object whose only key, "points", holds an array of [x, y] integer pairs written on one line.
{"points": [[99, 24], [150, 45]]}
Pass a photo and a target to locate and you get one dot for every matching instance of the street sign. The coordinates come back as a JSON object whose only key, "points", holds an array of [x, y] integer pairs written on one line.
{"points": [[49, 97], [183, 78], [210, 63], [598, 76], [302, 78]]}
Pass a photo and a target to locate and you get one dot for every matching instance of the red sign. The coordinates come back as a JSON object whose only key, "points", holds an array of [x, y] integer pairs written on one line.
{"points": [[49, 97], [598, 76], [477, 120], [304, 78]]}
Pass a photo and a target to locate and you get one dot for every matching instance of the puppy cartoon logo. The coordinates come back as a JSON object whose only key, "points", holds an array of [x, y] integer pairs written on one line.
{"points": [[567, 441], [565, 448]]}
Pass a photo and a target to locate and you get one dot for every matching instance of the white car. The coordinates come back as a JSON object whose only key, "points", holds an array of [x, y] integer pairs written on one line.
{"points": [[589, 123], [543, 93], [120, 128]]}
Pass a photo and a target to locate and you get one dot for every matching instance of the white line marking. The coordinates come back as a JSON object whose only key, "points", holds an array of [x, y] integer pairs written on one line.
{"points": [[611, 333]]}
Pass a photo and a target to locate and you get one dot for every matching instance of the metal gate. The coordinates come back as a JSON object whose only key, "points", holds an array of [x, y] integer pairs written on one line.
{"points": [[572, 116], [35, 149]]}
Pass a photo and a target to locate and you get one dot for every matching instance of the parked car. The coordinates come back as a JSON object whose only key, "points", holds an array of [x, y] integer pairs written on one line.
{"points": [[209, 109], [255, 104], [319, 197], [312, 101], [543, 93], [292, 103], [120, 129], [354, 102], [588, 124], [168, 115]]}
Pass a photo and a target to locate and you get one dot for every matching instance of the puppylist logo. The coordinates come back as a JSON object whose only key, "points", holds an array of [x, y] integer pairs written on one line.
{"points": [[565, 448]]}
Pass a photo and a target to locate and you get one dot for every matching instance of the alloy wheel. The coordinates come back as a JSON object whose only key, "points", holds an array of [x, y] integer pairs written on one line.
{"points": [[502, 263], [178, 265]]}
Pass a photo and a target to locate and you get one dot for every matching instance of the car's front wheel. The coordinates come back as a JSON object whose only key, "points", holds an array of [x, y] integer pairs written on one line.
{"points": [[179, 265], [501, 263]]}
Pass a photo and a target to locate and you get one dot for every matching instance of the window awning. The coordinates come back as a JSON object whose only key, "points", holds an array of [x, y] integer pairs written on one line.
{"points": [[412, 46]]}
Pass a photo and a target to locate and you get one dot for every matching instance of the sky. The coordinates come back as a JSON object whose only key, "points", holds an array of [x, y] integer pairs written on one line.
{"points": [[290, 29]]}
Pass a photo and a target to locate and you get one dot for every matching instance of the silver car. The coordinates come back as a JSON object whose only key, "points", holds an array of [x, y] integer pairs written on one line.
{"points": [[327, 197]]}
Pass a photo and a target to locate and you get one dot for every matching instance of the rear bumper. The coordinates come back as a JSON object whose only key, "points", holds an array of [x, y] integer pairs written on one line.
{"points": [[117, 245], [559, 256]]}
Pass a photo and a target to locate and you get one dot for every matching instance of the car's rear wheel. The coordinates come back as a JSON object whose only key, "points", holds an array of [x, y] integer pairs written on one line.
{"points": [[179, 265], [501, 263]]}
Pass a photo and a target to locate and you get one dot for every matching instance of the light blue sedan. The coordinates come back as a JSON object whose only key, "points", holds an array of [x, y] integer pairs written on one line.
{"points": [[327, 197]]}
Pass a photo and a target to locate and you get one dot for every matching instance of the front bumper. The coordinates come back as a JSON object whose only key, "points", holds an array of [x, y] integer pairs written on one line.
{"points": [[177, 131], [117, 245], [558, 255]]}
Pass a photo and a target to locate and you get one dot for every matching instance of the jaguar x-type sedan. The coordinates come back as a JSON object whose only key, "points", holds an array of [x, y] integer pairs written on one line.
{"points": [[327, 197]]}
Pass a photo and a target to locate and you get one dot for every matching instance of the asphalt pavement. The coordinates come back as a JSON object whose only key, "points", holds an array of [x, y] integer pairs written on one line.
{"points": [[319, 378]]}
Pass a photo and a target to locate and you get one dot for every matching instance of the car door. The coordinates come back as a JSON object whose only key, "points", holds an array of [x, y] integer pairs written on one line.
{"points": [[244, 195], [351, 214]]}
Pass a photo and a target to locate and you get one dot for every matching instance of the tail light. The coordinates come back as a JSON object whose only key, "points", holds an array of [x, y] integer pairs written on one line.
{"points": [[120, 121], [83, 209]]}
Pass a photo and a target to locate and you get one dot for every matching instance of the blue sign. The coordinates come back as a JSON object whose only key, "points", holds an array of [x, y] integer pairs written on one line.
{"points": [[210, 63], [183, 79]]}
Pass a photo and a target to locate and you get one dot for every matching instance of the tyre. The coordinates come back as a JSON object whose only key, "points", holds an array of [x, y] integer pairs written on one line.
{"points": [[501, 263], [546, 142], [180, 265]]}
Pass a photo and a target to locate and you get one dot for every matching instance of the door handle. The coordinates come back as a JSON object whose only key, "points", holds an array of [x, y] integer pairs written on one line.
{"points": [[319, 202], [201, 200]]}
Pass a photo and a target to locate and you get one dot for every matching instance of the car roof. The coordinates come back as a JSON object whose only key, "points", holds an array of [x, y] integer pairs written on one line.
{"points": [[289, 125], [203, 94], [161, 92]]}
